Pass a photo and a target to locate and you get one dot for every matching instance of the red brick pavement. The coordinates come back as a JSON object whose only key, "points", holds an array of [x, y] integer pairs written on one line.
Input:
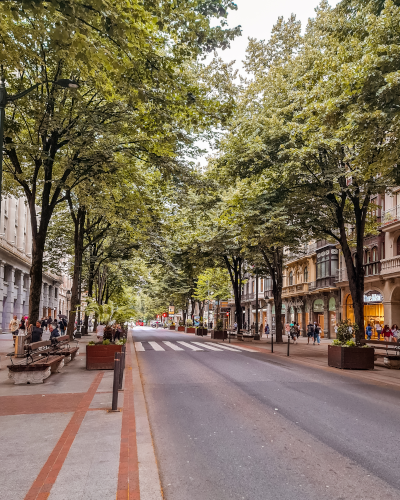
{"points": [[41, 488], [37, 403]]}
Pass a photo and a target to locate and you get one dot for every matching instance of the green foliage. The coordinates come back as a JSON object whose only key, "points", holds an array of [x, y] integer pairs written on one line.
{"points": [[213, 284], [345, 333], [106, 341], [219, 324], [189, 323]]}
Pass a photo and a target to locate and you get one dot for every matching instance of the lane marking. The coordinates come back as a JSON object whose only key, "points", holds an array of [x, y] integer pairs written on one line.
{"points": [[156, 346], [245, 348], [203, 344], [193, 347], [128, 471], [224, 347], [41, 488], [139, 346], [173, 346]]}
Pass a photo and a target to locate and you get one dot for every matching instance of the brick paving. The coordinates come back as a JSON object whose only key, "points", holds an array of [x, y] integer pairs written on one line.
{"points": [[59, 441]]}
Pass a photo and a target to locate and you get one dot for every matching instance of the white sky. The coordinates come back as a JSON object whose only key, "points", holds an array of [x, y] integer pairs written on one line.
{"points": [[257, 18]]}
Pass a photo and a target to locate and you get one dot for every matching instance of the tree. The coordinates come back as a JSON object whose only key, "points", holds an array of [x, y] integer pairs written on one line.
{"points": [[213, 284]]}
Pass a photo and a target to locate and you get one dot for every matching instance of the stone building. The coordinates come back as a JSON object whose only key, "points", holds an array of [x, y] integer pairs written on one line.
{"points": [[15, 264]]}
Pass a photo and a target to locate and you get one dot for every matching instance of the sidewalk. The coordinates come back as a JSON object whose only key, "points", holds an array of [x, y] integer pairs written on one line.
{"points": [[59, 441], [317, 357]]}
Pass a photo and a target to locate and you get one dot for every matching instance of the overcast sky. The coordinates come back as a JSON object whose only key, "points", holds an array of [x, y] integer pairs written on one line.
{"points": [[257, 18]]}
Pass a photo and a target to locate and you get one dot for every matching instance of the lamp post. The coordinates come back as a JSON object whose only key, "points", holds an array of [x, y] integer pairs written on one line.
{"points": [[5, 99], [256, 333]]}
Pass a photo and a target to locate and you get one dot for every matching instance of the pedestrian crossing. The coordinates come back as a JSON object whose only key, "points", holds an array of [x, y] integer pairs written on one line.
{"points": [[182, 346]]}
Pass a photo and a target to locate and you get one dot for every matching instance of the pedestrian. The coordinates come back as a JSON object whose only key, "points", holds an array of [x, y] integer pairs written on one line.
{"points": [[22, 324], [29, 328], [317, 333], [368, 332], [296, 329], [235, 325], [54, 333], [61, 326], [310, 332], [37, 332], [13, 326], [100, 331], [44, 324], [245, 325], [387, 333], [378, 328], [266, 331], [118, 331], [395, 332]]}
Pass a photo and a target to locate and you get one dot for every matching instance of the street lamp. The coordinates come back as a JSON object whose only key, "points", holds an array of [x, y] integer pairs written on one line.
{"points": [[5, 99]]}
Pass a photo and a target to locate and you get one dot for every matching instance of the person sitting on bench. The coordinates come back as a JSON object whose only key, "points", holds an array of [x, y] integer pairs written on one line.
{"points": [[54, 333]]}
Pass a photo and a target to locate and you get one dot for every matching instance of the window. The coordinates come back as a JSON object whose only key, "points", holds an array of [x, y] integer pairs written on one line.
{"points": [[374, 267], [323, 265], [252, 287], [291, 278], [398, 246], [383, 250], [306, 275], [262, 285]]}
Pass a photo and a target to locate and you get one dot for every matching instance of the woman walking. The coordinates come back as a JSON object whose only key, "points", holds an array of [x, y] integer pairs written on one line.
{"points": [[317, 333]]}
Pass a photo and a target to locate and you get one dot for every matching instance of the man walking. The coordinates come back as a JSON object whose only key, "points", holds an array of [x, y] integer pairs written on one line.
{"points": [[310, 332], [13, 326], [317, 333]]}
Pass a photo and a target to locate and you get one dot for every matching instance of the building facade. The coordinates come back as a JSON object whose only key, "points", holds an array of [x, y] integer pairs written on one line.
{"points": [[15, 264]]}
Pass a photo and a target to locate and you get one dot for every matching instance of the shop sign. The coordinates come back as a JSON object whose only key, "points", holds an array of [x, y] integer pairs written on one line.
{"points": [[332, 304], [318, 306], [223, 303], [373, 298], [171, 310]]}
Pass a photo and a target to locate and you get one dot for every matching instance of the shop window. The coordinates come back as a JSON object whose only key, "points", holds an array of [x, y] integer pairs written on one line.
{"points": [[306, 275], [291, 278]]}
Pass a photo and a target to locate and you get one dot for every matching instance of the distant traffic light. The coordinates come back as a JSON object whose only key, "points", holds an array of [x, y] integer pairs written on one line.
{"points": [[165, 315]]}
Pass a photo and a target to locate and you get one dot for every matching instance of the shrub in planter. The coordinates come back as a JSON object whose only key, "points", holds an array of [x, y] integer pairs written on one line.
{"points": [[345, 354]]}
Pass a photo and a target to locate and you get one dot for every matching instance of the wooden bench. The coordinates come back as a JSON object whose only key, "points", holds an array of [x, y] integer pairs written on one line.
{"points": [[38, 363], [62, 347], [390, 360]]}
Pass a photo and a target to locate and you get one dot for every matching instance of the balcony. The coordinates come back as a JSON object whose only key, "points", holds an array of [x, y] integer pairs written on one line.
{"points": [[390, 266], [391, 219], [303, 251], [328, 282]]}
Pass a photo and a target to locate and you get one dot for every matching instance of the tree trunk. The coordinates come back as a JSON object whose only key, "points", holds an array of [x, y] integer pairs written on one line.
{"points": [[36, 274], [79, 223], [235, 274]]}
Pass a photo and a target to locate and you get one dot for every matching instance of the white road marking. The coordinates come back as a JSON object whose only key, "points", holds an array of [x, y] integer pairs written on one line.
{"points": [[139, 346], [156, 346], [193, 347], [224, 346], [244, 348], [203, 344], [173, 346]]}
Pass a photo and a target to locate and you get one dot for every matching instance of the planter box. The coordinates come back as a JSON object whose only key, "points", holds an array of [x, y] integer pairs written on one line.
{"points": [[351, 358], [392, 362], [219, 334], [181, 328], [101, 357], [172, 328], [190, 329], [201, 331]]}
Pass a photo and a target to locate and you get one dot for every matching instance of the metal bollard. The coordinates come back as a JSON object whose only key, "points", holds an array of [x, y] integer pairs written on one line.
{"points": [[121, 356], [272, 342], [117, 363], [288, 343]]}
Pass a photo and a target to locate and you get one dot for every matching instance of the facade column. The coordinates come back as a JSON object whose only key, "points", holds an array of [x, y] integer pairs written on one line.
{"points": [[11, 222], [269, 316], [27, 286], [20, 224], [303, 325], [9, 302], [3, 291], [326, 317], [19, 291]]}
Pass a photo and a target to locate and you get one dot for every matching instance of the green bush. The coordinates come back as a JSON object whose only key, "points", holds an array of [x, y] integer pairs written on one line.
{"points": [[91, 342], [106, 342], [189, 323], [220, 324], [345, 332]]}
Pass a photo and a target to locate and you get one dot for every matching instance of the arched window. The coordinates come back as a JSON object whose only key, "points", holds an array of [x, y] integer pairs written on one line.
{"points": [[291, 278], [367, 261], [374, 260], [306, 274]]}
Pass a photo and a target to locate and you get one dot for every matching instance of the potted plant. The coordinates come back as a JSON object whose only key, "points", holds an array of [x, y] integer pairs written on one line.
{"points": [[201, 330], [189, 326], [345, 354], [181, 326], [172, 326], [219, 333], [100, 355]]}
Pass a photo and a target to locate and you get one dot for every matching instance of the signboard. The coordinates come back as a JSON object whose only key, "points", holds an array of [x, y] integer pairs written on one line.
{"points": [[318, 306], [223, 303], [373, 298], [171, 310]]}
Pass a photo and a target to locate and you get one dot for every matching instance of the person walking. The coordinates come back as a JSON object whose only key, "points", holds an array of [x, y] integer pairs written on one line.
{"points": [[317, 333], [310, 332], [378, 328], [61, 326], [13, 326], [266, 330], [387, 333], [296, 329], [118, 331], [395, 332], [368, 332]]}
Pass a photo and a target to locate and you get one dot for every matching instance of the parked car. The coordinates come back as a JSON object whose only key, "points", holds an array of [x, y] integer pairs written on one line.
{"points": [[156, 324]]}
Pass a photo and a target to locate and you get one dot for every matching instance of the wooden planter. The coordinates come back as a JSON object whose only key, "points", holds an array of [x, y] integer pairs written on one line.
{"points": [[172, 327], [181, 328], [201, 331], [219, 334], [351, 358], [101, 357], [190, 329]]}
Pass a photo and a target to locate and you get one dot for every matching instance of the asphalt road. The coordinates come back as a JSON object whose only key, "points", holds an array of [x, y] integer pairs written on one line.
{"points": [[248, 426]]}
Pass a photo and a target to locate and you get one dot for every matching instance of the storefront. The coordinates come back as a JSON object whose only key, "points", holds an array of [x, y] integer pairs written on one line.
{"points": [[373, 309], [318, 313]]}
